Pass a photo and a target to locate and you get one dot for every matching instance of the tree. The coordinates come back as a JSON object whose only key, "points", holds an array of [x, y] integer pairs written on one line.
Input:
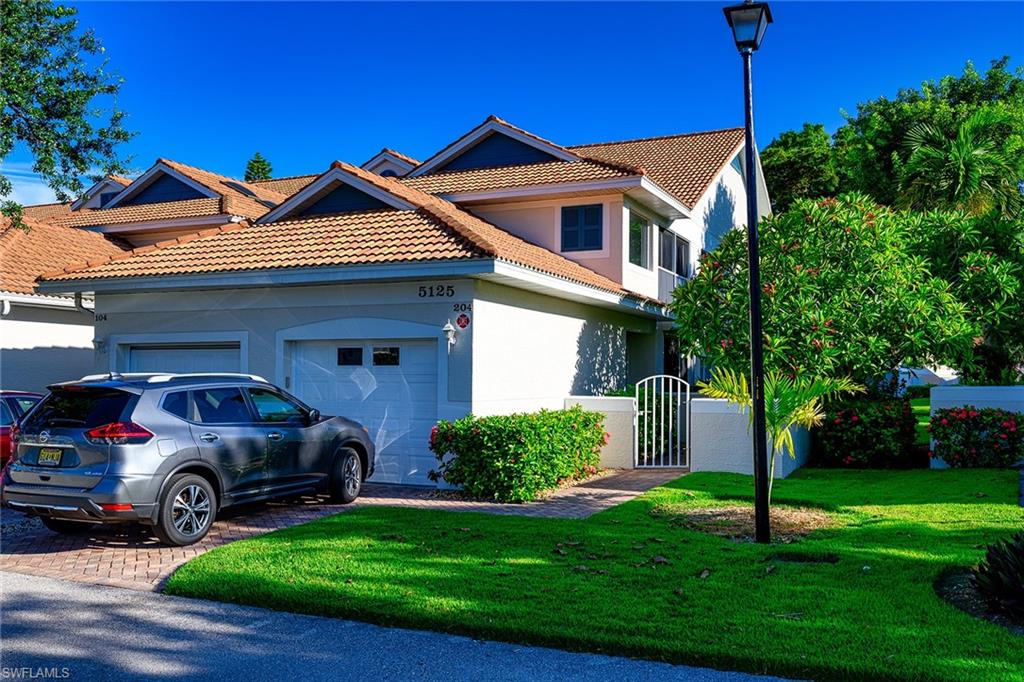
{"points": [[844, 294], [258, 168], [799, 165], [788, 402], [982, 258], [968, 171], [56, 99]]}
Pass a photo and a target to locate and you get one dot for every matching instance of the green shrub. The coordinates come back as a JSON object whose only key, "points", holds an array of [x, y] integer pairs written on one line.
{"points": [[912, 392], [969, 437], [867, 433], [512, 458], [1000, 577]]}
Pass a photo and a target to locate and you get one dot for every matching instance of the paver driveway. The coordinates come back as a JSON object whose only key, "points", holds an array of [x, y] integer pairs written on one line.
{"points": [[129, 556]]}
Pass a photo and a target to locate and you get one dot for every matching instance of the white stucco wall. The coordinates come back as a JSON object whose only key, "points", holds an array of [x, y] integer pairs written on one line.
{"points": [[1003, 397], [41, 346], [722, 208], [619, 421], [720, 440], [531, 351]]}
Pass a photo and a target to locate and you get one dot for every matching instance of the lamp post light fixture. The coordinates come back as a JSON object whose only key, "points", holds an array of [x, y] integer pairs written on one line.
{"points": [[748, 22]]}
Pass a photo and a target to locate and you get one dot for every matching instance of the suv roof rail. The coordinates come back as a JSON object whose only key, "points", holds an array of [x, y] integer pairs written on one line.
{"points": [[160, 378]]}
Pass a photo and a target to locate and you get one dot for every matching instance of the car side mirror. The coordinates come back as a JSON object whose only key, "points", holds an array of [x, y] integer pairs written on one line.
{"points": [[314, 416]]}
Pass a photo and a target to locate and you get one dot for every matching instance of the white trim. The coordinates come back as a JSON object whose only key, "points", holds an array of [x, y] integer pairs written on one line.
{"points": [[120, 345], [149, 176], [331, 176], [97, 188], [383, 156], [158, 225], [475, 135], [364, 329], [38, 300]]}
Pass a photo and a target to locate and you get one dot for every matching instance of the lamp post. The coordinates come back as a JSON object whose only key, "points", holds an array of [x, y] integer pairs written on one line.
{"points": [[748, 22]]}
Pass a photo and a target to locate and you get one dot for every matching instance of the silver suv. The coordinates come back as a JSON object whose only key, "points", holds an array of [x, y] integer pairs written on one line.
{"points": [[171, 450]]}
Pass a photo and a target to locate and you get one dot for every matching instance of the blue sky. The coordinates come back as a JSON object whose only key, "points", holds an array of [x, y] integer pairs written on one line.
{"points": [[210, 83]]}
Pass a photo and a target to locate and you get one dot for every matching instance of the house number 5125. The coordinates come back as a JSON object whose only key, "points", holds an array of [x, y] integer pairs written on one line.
{"points": [[437, 291]]}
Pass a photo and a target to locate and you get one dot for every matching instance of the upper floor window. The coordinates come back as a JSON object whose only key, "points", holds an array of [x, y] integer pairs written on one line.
{"points": [[582, 228], [737, 164], [639, 240], [675, 253], [105, 197], [388, 173]]}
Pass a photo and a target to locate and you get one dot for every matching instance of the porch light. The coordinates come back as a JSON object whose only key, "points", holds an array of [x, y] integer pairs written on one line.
{"points": [[748, 22], [449, 333]]}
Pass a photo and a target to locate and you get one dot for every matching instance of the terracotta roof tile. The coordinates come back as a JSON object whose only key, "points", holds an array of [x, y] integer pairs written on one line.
{"points": [[399, 155], [240, 198], [436, 230], [165, 210], [684, 165], [287, 186], [524, 175], [25, 254], [47, 211], [121, 180]]}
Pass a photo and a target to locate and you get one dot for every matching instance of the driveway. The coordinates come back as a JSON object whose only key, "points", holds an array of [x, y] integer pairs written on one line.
{"points": [[73, 631], [129, 556]]}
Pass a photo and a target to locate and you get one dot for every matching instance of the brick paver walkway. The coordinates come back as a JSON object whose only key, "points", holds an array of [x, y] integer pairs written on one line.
{"points": [[129, 556]]}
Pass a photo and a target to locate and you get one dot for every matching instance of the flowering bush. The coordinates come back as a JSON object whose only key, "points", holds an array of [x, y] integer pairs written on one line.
{"points": [[512, 458], [873, 433], [970, 437]]}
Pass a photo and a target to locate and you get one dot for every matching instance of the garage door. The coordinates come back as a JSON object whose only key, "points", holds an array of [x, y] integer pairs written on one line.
{"points": [[185, 359], [388, 386]]}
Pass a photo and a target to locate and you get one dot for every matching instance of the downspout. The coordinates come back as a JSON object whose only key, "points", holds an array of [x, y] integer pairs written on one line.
{"points": [[80, 305]]}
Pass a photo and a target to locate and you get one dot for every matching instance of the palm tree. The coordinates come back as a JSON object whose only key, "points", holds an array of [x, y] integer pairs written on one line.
{"points": [[788, 402], [968, 172]]}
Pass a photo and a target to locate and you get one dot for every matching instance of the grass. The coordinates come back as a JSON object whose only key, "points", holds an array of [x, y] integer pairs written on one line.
{"points": [[921, 407], [630, 582]]}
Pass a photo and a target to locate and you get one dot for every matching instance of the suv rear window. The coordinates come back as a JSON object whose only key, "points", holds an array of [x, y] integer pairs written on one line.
{"points": [[79, 408]]}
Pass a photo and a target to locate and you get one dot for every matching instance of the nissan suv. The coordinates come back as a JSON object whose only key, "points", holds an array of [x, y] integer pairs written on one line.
{"points": [[172, 450]]}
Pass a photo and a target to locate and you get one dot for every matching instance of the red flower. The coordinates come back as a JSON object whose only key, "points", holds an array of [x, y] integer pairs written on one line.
{"points": [[944, 421], [433, 435], [855, 418]]}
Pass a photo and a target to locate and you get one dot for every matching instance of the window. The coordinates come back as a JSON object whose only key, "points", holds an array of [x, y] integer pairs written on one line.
{"points": [[6, 418], [221, 406], [274, 407], [386, 356], [24, 403], [675, 253], [737, 164], [350, 357], [582, 228], [388, 173], [105, 197], [79, 407], [639, 236], [177, 404]]}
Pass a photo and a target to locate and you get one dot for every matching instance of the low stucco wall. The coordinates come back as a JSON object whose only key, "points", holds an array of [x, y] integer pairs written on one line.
{"points": [[720, 440], [618, 422], [1003, 397]]}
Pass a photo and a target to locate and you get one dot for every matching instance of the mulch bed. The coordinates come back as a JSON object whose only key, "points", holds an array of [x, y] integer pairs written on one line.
{"points": [[957, 587], [737, 522]]}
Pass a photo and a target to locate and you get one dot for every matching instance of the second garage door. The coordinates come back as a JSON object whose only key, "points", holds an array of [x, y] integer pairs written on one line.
{"points": [[389, 386], [185, 359]]}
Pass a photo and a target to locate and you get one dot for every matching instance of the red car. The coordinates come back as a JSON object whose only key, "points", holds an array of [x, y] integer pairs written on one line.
{"points": [[13, 406]]}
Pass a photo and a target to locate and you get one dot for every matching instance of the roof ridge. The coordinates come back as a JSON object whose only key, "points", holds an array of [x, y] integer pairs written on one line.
{"points": [[656, 137], [156, 246], [284, 177], [400, 155]]}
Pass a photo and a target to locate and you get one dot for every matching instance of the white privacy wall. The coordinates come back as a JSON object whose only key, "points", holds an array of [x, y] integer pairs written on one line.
{"points": [[619, 415], [41, 346], [1003, 397], [721, 440]]}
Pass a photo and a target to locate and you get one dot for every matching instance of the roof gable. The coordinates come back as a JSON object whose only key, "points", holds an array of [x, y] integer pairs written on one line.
{"points": [[339, 197], [494, 143], [390, 162], [342, 188], [163, 188]]}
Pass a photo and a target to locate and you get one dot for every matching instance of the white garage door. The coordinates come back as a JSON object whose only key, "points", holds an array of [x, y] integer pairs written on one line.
{"points": [[388, 386], [185, 359]]}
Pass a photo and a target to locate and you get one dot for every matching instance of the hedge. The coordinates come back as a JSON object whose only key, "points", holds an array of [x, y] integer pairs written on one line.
{"points": [[969, 437], [868, 433], [512, 458]]}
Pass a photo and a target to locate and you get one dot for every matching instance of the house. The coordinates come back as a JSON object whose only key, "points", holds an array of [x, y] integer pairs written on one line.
{"points": [[501, 274]]}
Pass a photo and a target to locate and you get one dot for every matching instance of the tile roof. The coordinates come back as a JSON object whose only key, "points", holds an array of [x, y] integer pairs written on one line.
{"points": [[399, 155], [25, 254], [684, 165], [286, 186], [240, 198], [119, 179], [435, 230], [524, 175], [47, 211], [165, 210]]}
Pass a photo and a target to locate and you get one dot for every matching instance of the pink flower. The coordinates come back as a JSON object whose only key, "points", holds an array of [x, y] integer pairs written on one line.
{"points": [[607, 437], [433, 435]]}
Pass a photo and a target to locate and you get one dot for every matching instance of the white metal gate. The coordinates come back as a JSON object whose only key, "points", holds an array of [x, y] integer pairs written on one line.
{"points": [[661, 434]]}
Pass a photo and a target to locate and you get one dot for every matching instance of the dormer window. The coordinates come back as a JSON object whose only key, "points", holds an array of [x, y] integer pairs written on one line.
{"points": [[582, 228], [105, 198]]}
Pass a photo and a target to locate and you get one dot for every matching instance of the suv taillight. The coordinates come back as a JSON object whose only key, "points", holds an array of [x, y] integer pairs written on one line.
{"points": [[118, 433]]}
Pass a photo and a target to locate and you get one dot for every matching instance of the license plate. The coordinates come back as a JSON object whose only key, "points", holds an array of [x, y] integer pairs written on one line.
{"points": [[49, 457]]}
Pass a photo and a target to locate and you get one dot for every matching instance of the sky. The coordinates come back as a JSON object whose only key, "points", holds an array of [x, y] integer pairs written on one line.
{"points": [[210, 83]]}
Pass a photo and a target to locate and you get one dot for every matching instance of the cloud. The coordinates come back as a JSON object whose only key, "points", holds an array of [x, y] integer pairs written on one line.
{"points": [[28, 186]]}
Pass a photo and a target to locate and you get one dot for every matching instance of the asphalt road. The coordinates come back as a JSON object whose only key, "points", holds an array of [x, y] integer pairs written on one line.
{"points": [[54, 629]]}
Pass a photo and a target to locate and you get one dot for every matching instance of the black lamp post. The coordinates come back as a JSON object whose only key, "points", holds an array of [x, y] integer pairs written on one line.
{"points": [[748, 22]]}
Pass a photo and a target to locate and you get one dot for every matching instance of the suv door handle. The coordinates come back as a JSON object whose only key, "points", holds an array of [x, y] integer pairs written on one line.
{"points": [[275, 435], [209, 437]]}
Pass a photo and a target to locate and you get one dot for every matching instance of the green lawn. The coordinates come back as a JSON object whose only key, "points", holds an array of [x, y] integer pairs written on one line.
{"points": [[922, 410], [629, 582]]}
